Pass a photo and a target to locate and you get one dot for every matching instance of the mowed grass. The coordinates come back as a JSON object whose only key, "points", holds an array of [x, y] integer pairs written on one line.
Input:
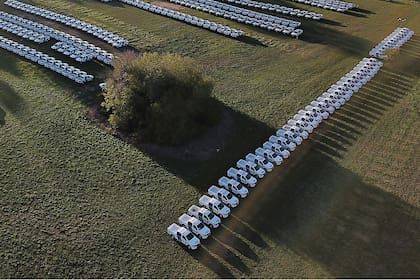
{"points": [[78, 202]]}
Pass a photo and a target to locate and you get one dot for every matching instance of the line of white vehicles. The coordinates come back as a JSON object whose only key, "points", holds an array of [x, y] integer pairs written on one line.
{"points": [[193, 20], [23, 32], [239, 180], [394, 40], [245, 16], [107, 36], [81, 50], [333, 5], [45, 60], [277, 8]]}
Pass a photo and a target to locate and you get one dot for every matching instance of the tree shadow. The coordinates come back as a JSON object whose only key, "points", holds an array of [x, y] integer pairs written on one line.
{"points": [[225, 146], [9, 63], [2, 117], [10, 100]]}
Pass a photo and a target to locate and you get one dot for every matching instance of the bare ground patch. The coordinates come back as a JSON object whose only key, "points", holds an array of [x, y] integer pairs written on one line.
{"points": [[167, 5]]}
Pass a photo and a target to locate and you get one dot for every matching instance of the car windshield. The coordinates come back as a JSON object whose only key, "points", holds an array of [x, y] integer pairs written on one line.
{"points": [[248, 176], [189, 236], [265, 161], [211, 216], [229, 195], [200, 225]]}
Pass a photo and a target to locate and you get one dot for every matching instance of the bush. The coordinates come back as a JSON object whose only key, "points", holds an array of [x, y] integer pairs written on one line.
{"points": [[159, 98]]}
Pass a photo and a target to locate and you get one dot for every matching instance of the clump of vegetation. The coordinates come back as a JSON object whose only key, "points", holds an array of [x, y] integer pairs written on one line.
{"points": [[157, 98]]}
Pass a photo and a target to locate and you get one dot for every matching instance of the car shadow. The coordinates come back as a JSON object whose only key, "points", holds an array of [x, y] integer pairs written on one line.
{"points": [[330, 215], [318, 33], [203, 256]]}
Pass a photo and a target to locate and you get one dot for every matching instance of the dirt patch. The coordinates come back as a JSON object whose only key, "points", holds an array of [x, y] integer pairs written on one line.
{"points": [[167, 5]]}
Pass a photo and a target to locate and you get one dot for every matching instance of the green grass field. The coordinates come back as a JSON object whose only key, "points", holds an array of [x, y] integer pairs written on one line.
{"points": [[78, 202]]}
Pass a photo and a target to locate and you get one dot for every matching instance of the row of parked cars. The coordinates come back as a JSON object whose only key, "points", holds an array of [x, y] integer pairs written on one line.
{"points": [[249, 17], [394, 40], [22, 32], [193, 20], [239, 180], [45, 60], [333, 5], [277, 8], [82, 49], [107, 36]]}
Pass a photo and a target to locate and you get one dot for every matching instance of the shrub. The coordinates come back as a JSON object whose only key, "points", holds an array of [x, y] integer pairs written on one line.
{"points": [[159, 98]]}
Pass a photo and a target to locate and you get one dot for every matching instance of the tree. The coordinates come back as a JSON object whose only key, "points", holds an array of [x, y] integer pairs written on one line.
{"points": [[159, 98]]}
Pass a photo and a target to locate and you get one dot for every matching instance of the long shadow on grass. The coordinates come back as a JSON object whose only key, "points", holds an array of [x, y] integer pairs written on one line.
{"points": [[235, 136], [10, 100], [203, 256], [315, 32], [8, 63], [2, 117], [324, 212]]}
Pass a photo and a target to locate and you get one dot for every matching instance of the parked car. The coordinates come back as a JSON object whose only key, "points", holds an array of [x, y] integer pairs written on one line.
{"points": [[183, 236], [194, 225], [284, 142], [223, 195], [204, 215], [260, 161], [269, 155], [214, 205], [242, 177], [276, 148], [233, 186], [251, 168], [293, 137]]}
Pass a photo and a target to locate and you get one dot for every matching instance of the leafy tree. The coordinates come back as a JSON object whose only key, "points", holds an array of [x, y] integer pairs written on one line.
{"points": [[159, 98]]}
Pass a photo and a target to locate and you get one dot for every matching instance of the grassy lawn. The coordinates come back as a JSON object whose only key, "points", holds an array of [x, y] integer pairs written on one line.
{"points": [[78, 202]]}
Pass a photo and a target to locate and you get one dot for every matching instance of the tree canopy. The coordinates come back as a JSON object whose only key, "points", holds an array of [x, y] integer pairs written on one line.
{"points": [[159, 98]]}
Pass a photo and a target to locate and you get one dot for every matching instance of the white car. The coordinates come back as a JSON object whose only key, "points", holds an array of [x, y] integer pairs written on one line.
{"points": [[260, 161], [269, 155], [194, 225], [223, 195], [310, 113], [204, 215], [183, 236], [233, 186], [284, 142], [214, 205], [278, 149], [296, 130], [290, 136], [250, 167], [324, 106], [308, 120], [242, 176], [301, 124]]}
